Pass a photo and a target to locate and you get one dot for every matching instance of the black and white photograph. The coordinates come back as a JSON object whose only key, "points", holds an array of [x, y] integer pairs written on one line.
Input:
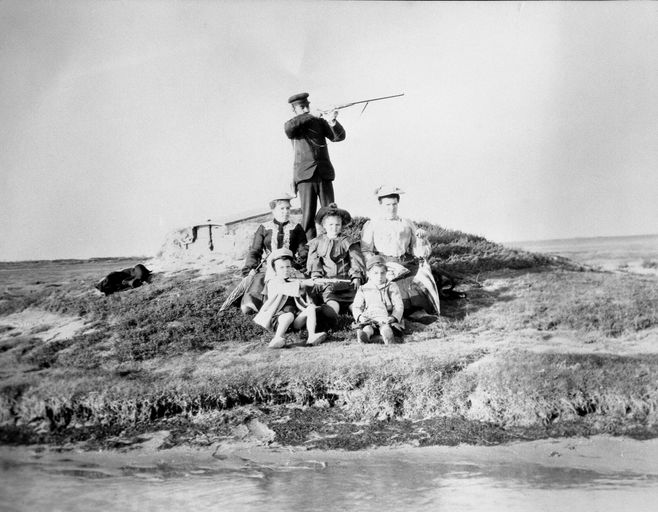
{"points": [[328, 255]]}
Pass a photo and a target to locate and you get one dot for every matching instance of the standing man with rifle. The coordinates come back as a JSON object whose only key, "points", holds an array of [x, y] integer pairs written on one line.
{"points": [[312, 171]]}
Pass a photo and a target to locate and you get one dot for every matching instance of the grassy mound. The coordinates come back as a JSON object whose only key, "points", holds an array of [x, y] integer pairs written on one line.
{"points": [[163, 351], [179, 314]]}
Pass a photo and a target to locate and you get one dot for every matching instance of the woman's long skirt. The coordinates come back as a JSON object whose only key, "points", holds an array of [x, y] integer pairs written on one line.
{"points": [[414, 296]]}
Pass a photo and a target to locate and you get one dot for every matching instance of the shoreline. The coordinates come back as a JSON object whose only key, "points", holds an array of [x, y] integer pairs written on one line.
{"points": [[319, 428], [600, 453]]}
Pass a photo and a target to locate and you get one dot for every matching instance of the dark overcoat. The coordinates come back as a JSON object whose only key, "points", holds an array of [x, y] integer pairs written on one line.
{"points": [[309, 136]]}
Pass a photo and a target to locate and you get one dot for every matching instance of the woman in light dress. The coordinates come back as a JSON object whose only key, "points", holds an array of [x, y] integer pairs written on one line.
{"points": [[405, 249]]}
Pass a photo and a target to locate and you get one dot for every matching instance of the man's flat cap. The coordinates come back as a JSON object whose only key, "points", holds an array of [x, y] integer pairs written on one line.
{"points": [[302, 97]]}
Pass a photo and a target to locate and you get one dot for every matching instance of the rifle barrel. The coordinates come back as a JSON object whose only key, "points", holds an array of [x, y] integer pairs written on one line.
{"points": [[345, 105], [373, 99]]}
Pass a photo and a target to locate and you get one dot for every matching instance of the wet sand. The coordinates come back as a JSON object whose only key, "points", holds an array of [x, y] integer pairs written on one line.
{"points": [[602, 454]]}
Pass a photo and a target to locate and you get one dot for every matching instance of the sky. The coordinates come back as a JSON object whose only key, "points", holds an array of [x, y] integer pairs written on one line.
{"points": [[125, 120]]}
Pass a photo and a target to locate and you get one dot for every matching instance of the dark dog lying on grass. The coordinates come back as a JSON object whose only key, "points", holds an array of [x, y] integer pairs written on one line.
{"points": [[124, 279]]}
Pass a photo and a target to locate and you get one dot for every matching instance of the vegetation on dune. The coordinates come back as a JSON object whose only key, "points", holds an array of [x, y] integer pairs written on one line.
{"points": [[458, 252], [597, 304], [647, 263], [381, 388], [526, 389], [608, 304], [163, 351], [179, 314], [518, 390], [168, 317]]}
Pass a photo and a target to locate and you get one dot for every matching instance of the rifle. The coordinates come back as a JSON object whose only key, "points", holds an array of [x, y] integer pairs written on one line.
{"points": [[330, 280], [325, 280], [345, 105]]}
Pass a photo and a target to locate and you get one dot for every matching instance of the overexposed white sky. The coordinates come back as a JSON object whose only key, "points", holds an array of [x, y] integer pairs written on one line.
{"points": [[123, 120]]}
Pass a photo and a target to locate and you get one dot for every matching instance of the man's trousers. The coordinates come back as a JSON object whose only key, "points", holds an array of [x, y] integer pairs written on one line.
{"points": [[309, 191]]}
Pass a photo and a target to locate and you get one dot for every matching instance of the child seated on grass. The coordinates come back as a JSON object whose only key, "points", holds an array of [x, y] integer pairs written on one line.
{"points": [[378, 305], [287, 304], [332, 255]]}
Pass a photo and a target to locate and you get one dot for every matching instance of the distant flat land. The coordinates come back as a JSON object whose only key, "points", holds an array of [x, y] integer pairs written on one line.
{"points": [[44, 272], [610, 253]]}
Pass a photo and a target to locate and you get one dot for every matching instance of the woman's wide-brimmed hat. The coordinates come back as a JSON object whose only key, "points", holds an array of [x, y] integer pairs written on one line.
{"points": [[280, 254], [332, 209], [388, 190], [282, 196]]}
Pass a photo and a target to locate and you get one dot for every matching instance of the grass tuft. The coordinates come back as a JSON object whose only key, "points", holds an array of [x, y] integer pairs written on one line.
{"points": [[456, 251], [523, 389], [647, 263]]}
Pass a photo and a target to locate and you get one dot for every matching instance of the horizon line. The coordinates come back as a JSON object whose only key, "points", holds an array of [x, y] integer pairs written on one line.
{"points": [[509, 243]]}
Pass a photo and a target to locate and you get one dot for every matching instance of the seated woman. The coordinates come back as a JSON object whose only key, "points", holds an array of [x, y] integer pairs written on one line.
{"points": [[334, 256], [399, 241], [279, 233]]}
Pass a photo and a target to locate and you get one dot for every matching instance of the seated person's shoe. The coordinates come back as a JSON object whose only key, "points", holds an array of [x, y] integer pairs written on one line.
{"points": [[388, 338], [317, 338], [362, 336], [277, 342]]}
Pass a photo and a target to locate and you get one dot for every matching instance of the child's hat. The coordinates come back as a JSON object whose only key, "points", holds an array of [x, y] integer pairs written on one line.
{"points": [[280, 254], [332, 209], [374, 261]]}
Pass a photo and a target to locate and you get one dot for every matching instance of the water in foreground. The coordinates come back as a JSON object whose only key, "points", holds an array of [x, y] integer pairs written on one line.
{"points": [[604, 474]]}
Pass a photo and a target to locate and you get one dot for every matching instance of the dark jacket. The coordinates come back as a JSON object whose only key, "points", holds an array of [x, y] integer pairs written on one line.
{"points": [[309, 136], [261, 245], [340, 258]]}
